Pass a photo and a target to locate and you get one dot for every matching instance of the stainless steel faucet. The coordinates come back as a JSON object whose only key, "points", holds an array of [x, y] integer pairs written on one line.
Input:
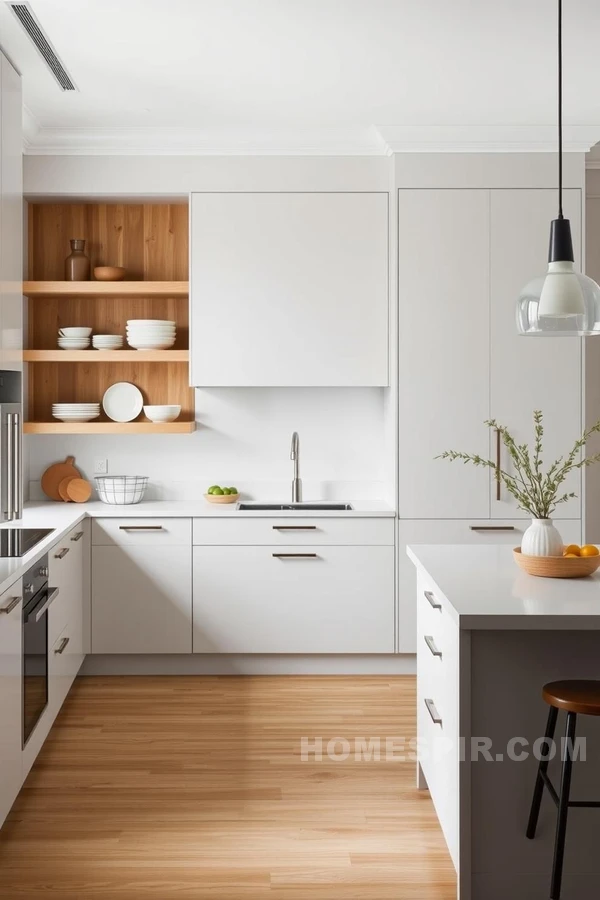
{"points": [[295, 456]]}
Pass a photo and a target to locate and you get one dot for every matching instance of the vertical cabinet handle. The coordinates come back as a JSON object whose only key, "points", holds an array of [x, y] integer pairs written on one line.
{"points": [[431, 709], [498, 464], [10, 468], [78, 536], [431, 644], [18, 504], [63, 646], [431, 600], [61, 553], [14, 602]]}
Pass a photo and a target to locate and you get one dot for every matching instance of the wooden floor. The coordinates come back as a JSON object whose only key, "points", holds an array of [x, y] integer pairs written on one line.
{"points": [[175, 788]]}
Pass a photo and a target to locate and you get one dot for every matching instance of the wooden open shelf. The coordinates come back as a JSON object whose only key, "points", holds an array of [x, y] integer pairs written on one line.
{"points": [[151, 241], [177, 427], [106, 356], [106, 288]]}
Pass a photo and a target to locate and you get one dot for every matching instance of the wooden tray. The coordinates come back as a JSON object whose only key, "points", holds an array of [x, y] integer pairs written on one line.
{"points": [[222, 498], [557, 566]]}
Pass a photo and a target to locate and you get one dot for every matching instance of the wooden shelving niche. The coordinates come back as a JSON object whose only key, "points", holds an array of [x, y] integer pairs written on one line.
{"points": [[151, 242]]}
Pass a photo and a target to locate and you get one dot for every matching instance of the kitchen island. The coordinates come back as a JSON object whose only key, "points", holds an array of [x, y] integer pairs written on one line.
{"points": [[489, 637]]}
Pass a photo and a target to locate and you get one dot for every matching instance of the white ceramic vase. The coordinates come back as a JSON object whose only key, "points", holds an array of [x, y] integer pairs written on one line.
{"points": [[542, 539]]}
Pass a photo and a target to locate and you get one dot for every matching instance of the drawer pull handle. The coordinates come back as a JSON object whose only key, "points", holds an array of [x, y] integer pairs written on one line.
{"points": [[141, 528], [10, 605], [295, 556], [432, 601], [61, 553], [492, 528], [435, 716], [294, 527], [431, 644], [63, 646], [78, 536]]}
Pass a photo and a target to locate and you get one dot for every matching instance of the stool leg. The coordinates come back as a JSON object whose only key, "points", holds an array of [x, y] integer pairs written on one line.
{"points": [[563, 809], [539, 782]]}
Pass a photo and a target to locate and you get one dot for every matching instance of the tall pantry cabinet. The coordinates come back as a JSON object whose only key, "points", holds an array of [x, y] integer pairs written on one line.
{"points": [[464, 255], [11, 217]]}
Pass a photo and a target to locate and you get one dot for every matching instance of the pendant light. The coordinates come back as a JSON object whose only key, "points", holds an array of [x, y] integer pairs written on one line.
{"points": [[563, 302]]}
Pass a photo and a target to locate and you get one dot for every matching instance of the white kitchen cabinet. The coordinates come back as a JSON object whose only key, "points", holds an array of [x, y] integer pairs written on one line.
{"points": [[65, 657], [66, 562], [11, 642], [11, 217], [289, 289], [462, 531], [299, 530], [531, 373], [337, 599], [141, 599], [444, 367]]}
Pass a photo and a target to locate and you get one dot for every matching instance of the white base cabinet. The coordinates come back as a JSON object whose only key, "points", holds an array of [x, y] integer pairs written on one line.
{"points": [[11, 643], [290, 599]]}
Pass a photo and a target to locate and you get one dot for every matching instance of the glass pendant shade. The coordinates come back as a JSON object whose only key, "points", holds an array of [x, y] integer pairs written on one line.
{"points": [[563, 303]]}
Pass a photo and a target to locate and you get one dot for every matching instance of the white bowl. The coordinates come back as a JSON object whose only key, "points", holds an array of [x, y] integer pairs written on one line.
{"points": [[74, 346], [105, 338], [152, 322], [75, 332], [149, 345], [162, 413]]}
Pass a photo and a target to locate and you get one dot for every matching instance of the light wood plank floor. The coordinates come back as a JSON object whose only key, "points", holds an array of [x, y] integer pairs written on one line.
{"points": [[173, 788]]}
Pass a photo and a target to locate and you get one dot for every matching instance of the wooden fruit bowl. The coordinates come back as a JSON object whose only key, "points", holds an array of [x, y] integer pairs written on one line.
{"points": [[222, 498], [557, 566]]}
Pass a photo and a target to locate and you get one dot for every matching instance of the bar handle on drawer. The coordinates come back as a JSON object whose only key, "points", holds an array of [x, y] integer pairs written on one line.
{"points": [[431, 600], [294, 527], [431, 644], [61, 553], [435, 716], [295, 556], [78, 536], [10, 605], [492, 528], [141, 528], [63, 646]]}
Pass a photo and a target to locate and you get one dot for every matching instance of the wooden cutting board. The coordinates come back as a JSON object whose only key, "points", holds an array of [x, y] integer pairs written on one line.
{"points": [[79, 490], [62, 488], [53, 476]]}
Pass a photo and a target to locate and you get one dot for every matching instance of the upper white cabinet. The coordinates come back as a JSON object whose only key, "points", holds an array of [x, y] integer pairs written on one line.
{"points": [[464, 256], [11, 217], [289, 289]]}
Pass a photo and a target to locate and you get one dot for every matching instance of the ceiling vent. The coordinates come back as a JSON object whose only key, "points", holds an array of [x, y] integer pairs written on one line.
{"points": [[26, 17]]}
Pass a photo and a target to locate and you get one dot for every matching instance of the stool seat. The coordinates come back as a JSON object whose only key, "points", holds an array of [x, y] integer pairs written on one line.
{"points": [[574, 696]]}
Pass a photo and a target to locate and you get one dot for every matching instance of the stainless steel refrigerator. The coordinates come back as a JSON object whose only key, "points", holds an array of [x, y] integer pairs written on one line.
{"points": [[11, 452]]}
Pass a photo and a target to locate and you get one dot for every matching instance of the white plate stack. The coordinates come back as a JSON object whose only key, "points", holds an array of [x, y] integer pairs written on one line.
{"points": [[107, 341], [75, 412], [74, 338], [150, 334]]}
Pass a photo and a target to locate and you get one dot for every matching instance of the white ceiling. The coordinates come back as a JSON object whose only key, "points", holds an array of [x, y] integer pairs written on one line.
{"points": [[305, 75]]}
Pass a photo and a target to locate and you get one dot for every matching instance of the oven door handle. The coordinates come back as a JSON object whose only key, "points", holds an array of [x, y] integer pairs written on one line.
{"points": [[36, 614]]}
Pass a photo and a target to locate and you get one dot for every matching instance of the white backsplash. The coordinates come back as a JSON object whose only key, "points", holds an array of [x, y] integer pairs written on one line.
{"points": [[243, 438]]}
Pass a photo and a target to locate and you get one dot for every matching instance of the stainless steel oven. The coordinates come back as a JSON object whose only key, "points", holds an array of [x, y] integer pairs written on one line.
{"points": [[37, 598]]}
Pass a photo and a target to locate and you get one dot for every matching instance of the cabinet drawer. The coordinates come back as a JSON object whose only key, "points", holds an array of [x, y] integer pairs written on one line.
{"points": [[141, 532], [333, 600], [66, 568], [298, 531], [65, 659]]}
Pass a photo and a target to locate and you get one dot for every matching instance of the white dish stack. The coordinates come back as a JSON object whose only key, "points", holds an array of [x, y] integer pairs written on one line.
{"points": [[150, 334], [75, 412], [74, 338], [107, 342]]}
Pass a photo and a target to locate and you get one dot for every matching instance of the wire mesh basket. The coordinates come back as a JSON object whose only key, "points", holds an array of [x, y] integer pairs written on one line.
{"points": [[121, 490]]}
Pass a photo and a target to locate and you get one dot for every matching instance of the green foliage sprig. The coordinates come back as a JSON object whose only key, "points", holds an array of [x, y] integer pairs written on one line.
{"points": [[536, 492]]}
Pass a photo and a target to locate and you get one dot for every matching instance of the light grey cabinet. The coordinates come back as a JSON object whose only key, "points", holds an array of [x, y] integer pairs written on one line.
{"points": [[11, 218]]}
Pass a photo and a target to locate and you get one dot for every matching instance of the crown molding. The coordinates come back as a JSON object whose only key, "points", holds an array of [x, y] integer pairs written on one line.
{"points": [[487, 138], [66, 141], [373, 140]]}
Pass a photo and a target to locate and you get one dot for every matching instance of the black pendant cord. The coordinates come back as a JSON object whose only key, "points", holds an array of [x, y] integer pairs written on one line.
{"points": [[560, 137]]}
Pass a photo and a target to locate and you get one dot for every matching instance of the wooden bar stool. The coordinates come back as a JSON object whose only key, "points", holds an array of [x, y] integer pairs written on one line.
{"points": [[575, 698]]}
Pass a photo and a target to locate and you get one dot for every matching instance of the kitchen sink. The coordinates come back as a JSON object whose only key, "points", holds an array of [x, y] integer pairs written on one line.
{"points": [[295, 507]]}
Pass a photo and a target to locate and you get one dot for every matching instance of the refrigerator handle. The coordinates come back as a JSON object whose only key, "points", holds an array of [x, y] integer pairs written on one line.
{"points": [[10, 468], [18, 463]]}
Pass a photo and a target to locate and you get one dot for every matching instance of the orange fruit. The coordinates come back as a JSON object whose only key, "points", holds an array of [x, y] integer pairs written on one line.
{"points": [[589, 550], [571, 555], [572, 550]]}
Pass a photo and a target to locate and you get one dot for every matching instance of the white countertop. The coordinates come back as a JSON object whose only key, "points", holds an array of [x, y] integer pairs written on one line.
{"points": [[484, 589], [62, 517]]}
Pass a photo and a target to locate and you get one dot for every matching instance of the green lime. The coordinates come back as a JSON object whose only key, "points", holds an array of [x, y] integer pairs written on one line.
{"points": [[233, 491], [218, 492], [213, 488], [225, 491]]}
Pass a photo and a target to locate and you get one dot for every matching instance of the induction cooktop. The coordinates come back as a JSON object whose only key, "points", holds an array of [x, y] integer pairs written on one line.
{"points": [[19, 541]]}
